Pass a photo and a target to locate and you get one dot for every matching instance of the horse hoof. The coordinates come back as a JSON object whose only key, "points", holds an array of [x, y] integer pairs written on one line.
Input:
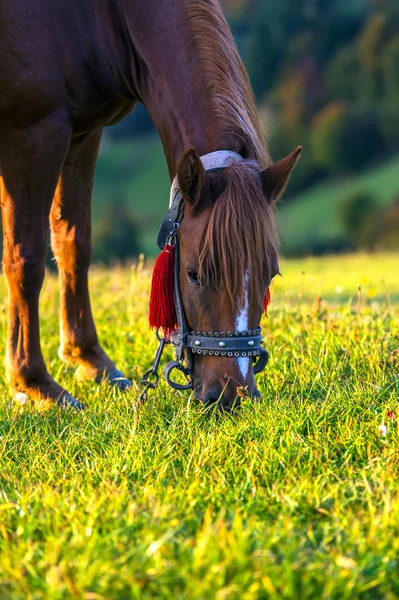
{"points": [[117, 379], [68, 401]]}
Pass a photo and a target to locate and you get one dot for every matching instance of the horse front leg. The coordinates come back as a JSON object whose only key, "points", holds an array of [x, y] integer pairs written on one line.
{"points": [[70, 222], [31, 159]]}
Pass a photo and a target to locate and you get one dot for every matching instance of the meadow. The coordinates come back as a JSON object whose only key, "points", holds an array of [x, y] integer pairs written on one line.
{"points": [[295, 497]]}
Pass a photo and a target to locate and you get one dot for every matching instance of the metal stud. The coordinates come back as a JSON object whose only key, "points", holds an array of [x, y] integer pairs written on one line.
{"points": [[197, 343], [250, 342], [222, 344]]}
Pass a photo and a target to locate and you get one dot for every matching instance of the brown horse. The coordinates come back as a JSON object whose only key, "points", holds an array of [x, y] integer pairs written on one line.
{"points": [[68, 69]]}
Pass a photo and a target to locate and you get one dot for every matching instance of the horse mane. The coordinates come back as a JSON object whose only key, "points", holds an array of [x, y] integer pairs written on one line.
{"points": [[226, 83], [240, 235]]}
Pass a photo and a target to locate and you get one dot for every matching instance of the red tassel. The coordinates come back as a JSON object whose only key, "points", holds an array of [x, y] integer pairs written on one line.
{"points": [[162, 305], [266, 301]]}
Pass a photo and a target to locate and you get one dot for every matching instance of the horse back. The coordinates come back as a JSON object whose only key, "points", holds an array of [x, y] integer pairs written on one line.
{"points": [[54, 56]]}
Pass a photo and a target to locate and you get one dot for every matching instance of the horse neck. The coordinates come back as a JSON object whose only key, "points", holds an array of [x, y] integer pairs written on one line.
{"points": [[175, 85]]}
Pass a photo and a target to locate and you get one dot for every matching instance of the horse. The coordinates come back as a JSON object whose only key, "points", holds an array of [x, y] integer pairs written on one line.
{"points": [[69, 69]]}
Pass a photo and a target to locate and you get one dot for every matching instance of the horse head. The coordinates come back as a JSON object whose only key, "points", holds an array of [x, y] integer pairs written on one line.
{"points": [[228, 256]]}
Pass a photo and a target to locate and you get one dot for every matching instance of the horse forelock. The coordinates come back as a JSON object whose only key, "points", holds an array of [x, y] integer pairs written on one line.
{"points": [[240, 238]]}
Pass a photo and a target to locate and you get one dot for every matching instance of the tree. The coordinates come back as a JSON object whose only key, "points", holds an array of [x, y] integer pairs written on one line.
{"points": [[115, 236]]}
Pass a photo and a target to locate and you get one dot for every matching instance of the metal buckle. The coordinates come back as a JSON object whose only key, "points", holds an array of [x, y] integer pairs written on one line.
{"points": [[172, 238], [170, 367]]}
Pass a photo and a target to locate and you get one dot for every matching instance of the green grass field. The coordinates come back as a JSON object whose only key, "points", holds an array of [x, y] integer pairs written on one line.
{"points": [[294, 498]]}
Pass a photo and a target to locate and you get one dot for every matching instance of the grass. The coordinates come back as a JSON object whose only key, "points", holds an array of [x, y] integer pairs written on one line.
{"points": [[294, 498]]}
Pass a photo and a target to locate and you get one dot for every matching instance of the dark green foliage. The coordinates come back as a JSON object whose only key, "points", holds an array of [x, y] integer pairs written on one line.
{"points": [[388, 232], [367, 224], [360, 215], [304, 58], [345, 140], [115, 235]]}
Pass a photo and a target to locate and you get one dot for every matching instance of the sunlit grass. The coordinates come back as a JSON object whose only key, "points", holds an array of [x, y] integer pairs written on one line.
{"points": [[294, 498]]}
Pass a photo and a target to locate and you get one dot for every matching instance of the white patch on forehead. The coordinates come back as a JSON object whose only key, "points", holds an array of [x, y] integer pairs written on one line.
{"points": [[241, 324]]}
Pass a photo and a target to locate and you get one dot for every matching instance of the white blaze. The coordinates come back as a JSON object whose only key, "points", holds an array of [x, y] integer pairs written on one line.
{"points": [[241, 324]]}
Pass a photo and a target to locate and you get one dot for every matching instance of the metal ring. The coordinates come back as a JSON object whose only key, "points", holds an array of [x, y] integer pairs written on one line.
{"points": [[170, 367], [145, 380]]}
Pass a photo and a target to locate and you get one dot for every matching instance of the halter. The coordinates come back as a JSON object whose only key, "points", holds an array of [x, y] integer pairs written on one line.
{"points": [[185, 341]]}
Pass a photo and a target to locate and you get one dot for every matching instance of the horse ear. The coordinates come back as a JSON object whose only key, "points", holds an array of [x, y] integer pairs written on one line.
{"points": [[275, 177], [190, 174]]}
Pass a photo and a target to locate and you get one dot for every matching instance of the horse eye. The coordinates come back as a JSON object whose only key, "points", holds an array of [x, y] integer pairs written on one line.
{"points": [[193, 276]]}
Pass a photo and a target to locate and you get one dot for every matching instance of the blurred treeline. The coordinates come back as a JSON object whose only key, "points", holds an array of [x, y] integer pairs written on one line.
{"points": [[325, 72]]}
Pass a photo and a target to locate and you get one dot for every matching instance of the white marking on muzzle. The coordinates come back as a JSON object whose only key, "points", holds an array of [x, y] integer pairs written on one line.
{"points": [[241, 324]]}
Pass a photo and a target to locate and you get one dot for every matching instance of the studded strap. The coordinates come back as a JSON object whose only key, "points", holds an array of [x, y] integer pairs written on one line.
{"points": [[232, 343]]}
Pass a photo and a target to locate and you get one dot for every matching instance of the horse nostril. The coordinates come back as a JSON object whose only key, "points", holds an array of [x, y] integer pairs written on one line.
{"points": [[227, 399], [212, 396]]}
